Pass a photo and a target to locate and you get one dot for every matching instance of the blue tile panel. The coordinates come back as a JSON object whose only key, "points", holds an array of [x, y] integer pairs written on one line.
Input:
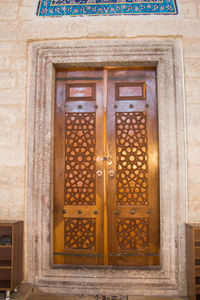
{"points": [[54, 8]]}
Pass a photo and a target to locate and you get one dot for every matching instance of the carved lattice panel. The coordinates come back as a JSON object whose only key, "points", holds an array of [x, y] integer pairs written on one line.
{"points": [[80, 138], [80, 233], [132, 233], [131, 154]]}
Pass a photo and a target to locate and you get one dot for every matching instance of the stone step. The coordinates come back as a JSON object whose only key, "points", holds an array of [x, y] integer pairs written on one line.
{"points": [[28, 292]]}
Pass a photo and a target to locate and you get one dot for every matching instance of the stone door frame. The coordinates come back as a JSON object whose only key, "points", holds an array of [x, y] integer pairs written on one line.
{"points": [[44, 57]]}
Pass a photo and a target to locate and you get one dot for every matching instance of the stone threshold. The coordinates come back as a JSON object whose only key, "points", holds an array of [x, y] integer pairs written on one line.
{"points": [[29, 292]]}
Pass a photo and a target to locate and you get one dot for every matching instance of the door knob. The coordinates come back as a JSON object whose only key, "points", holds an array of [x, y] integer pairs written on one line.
{"points": [[111, 173], [99, 173]]}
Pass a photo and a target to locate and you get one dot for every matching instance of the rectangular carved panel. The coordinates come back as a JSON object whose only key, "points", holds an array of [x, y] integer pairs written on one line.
{"points": [[130, 91], [80, 92], [80, 147], [80, 233], [132, 233], [131, 154]]}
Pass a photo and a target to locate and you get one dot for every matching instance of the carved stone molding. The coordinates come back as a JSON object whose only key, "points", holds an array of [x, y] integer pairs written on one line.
{"points": [[44, 57]]}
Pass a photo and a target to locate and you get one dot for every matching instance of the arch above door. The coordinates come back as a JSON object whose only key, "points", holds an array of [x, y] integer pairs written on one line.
{"points": [[45, 57]]}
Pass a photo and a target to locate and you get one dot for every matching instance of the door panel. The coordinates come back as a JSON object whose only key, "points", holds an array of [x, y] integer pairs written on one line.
{"points": [[106, 202], [133, 206], [78, 173]]}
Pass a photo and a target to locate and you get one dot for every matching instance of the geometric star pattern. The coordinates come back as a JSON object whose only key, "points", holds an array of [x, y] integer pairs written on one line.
{"points": [[80, 147], [132, 159], [132, 234], [80, 233]]}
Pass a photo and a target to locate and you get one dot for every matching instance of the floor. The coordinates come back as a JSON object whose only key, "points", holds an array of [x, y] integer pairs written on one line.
{"points": [[27, 292]]}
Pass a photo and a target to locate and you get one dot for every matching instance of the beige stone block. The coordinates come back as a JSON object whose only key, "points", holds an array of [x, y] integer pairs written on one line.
{"points": [[192, 87], [12, 97], [12, 136], [10, 32], [193, 124], [193, 174], [12, 156], [29, 3], [12, 204], [19, 47], [7, 79], [198, 8], [26, 13], [14, 48], [194, 155], [10, 1], [66, 27], [12, 115], [193, 203], [12, 177], [12, 62], [5, 47], [191, 48], [192, 67], [21, 80], [12, 126], [189, 10], [8, 11]]}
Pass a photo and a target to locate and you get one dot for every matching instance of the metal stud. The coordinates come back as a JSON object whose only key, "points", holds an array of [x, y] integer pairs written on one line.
{"points": [[80, 106], [99, 173], [95, 211], [117, 212], [132, 212], [131, 105], [79, 211], [115, 106], [146, 105], [95, 106], [111, 173], [64, 211], [149, 211]]}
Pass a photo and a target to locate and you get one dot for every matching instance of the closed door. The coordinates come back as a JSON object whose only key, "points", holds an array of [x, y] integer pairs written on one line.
{"points": [[106, 185]]}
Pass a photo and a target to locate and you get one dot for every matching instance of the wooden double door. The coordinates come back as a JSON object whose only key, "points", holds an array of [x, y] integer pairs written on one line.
{"points": [[106, 185]]}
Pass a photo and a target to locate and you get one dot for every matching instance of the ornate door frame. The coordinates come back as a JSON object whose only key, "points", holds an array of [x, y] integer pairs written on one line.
{"points": [[166, 54]]}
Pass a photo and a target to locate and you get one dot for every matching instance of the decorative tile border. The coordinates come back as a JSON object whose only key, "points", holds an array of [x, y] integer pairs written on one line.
{"points": [[54, 8]]}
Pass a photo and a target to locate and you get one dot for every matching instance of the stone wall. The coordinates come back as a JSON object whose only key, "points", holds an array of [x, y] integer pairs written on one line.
{"points": [[19, 26]]}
